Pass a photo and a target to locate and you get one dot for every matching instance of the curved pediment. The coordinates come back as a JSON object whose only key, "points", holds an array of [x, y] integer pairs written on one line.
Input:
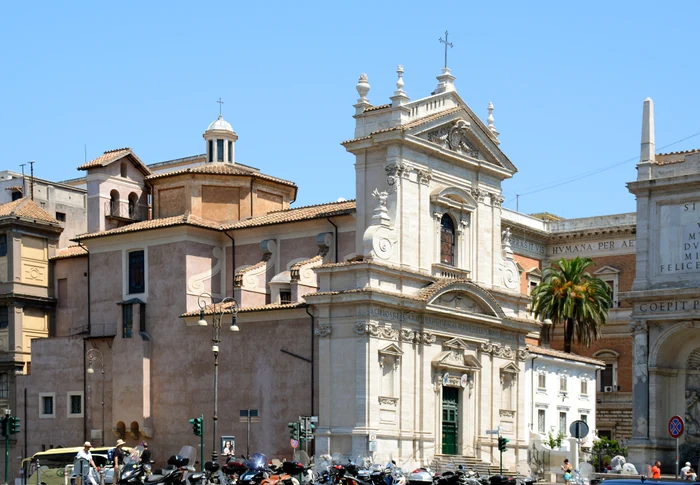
{"points": [[455, 197], [463, 295]]}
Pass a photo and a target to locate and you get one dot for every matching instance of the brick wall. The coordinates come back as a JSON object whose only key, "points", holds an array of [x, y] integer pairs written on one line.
{"points": [[528, 264]]}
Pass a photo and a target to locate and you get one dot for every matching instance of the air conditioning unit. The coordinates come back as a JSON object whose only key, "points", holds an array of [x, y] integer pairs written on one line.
{"points": [[608, 389]]}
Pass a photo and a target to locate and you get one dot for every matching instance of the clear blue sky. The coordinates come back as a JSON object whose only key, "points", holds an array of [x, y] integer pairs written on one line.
{"points": [[567, 80]]}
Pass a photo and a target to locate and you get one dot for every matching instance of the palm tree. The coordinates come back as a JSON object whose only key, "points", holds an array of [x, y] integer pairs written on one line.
{"points": [[569, 295]]}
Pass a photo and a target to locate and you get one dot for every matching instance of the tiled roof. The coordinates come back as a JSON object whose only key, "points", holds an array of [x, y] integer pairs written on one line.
{"points": [[297, 214], [375, 108], [185, 219], [683, 152], [211, 309], [15, 188], [221, 169], [105, 158], [563, 355], [408, 126], [70, 252], [27, 209]]}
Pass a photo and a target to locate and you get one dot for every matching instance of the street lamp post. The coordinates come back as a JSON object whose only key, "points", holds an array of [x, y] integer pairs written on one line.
{"points": [[94, 355], [218, 311]]}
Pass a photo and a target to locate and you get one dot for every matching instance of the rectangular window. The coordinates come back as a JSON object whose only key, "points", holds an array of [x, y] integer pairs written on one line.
{"points": [[4, 386], [584, 388], [606, 378], [61, 216], [562, 384], [75, 404], [142, 317], [4, 317], [541, 420], [16, 195], [62, 290], [562, 422], [285, 296], [137, 280], [219, 150], [46, 405], [230, 151], [3, 244], [127, 321], [211, 150], [542, 381], [584, 418]]}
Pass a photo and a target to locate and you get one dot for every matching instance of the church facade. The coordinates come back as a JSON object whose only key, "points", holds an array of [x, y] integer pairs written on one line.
{"points": [[399, 319]]}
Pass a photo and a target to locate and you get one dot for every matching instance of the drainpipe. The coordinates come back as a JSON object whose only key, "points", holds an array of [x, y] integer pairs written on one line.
{"points": [[335, 238], [313, 375], [532, 405], [251, 195], [233, 261], [85, 393], [89, 329]]}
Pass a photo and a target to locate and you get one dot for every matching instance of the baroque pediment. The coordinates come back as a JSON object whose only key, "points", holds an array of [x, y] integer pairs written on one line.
{"points": [[460, 300], [454, 136], [456, 360]]}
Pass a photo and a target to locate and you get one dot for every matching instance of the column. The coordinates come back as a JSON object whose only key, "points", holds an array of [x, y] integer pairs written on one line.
{"points": [[640, 380], [215, 149], [225, 160]]}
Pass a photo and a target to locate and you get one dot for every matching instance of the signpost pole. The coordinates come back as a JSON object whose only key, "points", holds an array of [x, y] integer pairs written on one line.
{"points": [[677, 471], [676, 426]]}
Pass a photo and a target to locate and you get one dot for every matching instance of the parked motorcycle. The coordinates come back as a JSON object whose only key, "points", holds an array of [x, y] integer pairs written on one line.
{"points": [[256, 470], [178, 469], [134, 471]]}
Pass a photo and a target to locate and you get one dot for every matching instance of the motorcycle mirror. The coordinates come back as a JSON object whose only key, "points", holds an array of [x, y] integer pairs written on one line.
{"points": [[393, 462]]}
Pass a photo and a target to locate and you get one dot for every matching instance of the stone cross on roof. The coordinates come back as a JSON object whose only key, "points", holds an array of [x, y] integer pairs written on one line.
{"points": [[447, 44], [220, 103]]}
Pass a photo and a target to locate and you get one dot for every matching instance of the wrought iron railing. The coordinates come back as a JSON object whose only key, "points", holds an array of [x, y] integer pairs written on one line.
{"points": [[125, 210]]}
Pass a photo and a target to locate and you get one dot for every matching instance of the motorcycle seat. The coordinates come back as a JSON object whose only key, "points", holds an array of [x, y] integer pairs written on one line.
{"points": [[154, 478]]}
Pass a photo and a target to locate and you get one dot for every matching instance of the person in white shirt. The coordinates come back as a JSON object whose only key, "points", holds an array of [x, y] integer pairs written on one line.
{"points": [[85, 454], [684, 471]]}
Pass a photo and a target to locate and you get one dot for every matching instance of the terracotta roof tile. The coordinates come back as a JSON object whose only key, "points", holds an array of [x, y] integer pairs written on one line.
{"points": [[210, 309], [296, 214], [221, 169], [563, 355], [69, 252], [408, 126], [683, 152], [105, 158], [185, 219], [375, 108], [15, 188], [27, 209]]}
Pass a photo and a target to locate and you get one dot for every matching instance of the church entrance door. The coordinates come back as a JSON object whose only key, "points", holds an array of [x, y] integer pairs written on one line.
{"points": [[450, 424]]}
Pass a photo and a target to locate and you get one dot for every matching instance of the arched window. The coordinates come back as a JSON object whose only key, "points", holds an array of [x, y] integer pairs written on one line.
{"points": [[114, 203], [133, 200], [123, 170], [447, 240]]}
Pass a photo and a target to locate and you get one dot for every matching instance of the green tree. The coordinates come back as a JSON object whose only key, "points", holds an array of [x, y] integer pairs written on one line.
{"points": [[570, 296]]}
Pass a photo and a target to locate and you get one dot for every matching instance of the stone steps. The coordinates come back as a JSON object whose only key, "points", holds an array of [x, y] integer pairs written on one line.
{"points": [[443, 463]]}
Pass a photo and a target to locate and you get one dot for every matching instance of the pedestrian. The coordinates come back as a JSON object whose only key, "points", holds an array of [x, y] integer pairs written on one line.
{"points": [[85, 454], [146, 457], [118, 460], [684, 471], [656, 470], [691, 475], [566, 466]]}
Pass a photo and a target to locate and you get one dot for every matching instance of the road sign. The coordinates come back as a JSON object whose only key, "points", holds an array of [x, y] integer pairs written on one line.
{"points": [[676, 427], [579, 429], [314, 419], [372, 437], [294, 443], [491, 431]]}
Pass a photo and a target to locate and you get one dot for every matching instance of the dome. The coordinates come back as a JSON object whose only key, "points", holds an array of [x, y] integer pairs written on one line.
{"points": [[220, 124]]}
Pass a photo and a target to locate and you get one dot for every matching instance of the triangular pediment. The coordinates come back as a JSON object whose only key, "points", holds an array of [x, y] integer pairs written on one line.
{"points": [[391, 349], [456, 343], [458, 131], [510, 368], [605, 270], [454, 359]]}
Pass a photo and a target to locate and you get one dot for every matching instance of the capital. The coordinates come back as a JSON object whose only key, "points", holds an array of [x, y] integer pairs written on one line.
{"points": [[638, 326]]}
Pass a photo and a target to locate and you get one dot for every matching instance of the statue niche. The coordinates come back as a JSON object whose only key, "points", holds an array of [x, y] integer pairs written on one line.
{"points": [[692, 398]]}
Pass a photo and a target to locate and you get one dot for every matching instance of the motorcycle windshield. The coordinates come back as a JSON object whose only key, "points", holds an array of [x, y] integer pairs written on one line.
{"points": [[256, 461], [134, 456], [189, 453]]}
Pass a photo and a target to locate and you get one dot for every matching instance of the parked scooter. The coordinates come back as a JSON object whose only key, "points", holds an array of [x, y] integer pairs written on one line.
{"points": [[179, 467], [256, 472]]}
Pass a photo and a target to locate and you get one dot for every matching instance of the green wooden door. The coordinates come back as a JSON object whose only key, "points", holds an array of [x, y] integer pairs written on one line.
{"points": [[450, 425]]}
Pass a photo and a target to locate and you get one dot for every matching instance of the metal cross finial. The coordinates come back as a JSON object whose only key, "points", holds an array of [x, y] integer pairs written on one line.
{"points": [[220, 103], [447, 44]]}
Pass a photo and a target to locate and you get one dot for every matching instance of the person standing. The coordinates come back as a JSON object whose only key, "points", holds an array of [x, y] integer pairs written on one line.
{"points": [[566, 466], [656, 470], [85, 454], [146, 457], [684, 471], [118, 460]]}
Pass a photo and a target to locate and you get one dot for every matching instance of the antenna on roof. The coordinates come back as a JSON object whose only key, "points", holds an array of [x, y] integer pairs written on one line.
{"points": [[31, 179], [24, 185]]}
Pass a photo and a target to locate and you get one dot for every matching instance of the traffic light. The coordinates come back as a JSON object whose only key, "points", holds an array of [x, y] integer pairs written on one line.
{"points": [[310, 431], [502, 443], [14, 425], [294, 430], [197, 426], [4, 424]]}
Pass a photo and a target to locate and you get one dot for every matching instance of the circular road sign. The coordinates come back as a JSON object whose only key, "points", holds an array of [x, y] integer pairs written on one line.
{"points": [[294, 443], [579, 429], [676, 426]]}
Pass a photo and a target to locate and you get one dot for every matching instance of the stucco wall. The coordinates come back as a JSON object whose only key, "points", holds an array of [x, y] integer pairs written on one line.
{"points": [[71, 310]]}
